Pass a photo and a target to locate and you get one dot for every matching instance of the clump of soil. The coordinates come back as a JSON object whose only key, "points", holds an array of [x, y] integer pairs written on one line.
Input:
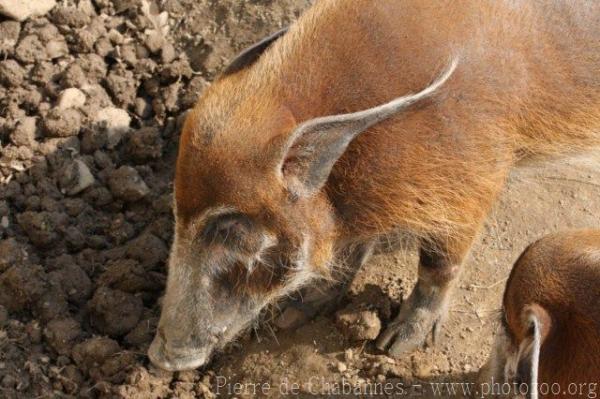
{"points": [[359, 325], [92, 96]]}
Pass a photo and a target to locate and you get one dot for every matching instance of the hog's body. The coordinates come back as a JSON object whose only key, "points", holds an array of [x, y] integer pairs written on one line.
{"points": [[270, 192], [553, 292]]}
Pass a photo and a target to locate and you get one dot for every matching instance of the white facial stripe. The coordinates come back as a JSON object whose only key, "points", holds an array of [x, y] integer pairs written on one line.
{"points": [[302, 272], [593, 255], [212, 212], [302, 269], [268, 241]]}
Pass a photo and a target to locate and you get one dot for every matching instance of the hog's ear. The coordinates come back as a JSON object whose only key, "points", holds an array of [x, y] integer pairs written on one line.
{"points": [[250, 55], [538, 323], [316, 145]]}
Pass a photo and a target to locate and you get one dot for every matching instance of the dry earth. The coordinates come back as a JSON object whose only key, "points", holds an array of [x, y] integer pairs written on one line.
{"points": [[91, 100]]}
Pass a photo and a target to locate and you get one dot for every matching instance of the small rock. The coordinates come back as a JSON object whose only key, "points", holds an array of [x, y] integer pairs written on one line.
{"points": [[145, 144], [123, 5], [9, 35], [45, 31], [143, 332], [51, 305], [115, 37], [85, 39], [71, 98], [167, 53], [75, 177], [74, 238], [102, 159], [93, 65], [94, 352], [130, 276], [71, 16], [103, 47], [62, 123], [24, 133], [192, 92], [176, 70], [170, 97], [143, 108], [74, 281], [148, 249], [115, 312], [342, 367], [97, 99], [128, 54], [57, 48], [40, 227], [123, 87], [61, 334], [126, 183], [4, 209], [30, 50], [31, 98], [421, 369], [43, 72], [154, 41], [73, 76], [290, 318], [99, 196], [21, 286], [11, 73], [358, 325], [115, 122], [141, 51], [21, 10], [86, 7], [115, 367]]}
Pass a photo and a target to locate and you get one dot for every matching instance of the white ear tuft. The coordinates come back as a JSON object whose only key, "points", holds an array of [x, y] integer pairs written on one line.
{"points": [[535, 355]]}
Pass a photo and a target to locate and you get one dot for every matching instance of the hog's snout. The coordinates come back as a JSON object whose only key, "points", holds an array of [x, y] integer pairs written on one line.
{"points": [[222, 273], [172, 358]]}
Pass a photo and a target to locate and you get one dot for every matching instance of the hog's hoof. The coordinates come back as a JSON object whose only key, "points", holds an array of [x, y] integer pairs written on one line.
{"points": [[405, 337], [411, 330]]}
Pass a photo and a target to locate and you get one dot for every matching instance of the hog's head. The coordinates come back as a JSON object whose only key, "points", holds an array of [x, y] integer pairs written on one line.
{"points": [[253, 222]]}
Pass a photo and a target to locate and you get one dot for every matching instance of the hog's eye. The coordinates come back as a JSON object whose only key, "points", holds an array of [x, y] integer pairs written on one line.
{"points": [[227, 229]]}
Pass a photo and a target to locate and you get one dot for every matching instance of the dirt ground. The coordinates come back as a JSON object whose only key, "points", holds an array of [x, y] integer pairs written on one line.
{"points": [[92, 96]]}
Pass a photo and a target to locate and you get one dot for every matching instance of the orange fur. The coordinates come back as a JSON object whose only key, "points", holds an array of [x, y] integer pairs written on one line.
{"points": [[526, 84], [561, 273]]}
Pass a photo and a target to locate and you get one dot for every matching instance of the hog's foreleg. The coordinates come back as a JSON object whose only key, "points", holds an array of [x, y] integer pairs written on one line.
{"points": [[424, 310]]}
